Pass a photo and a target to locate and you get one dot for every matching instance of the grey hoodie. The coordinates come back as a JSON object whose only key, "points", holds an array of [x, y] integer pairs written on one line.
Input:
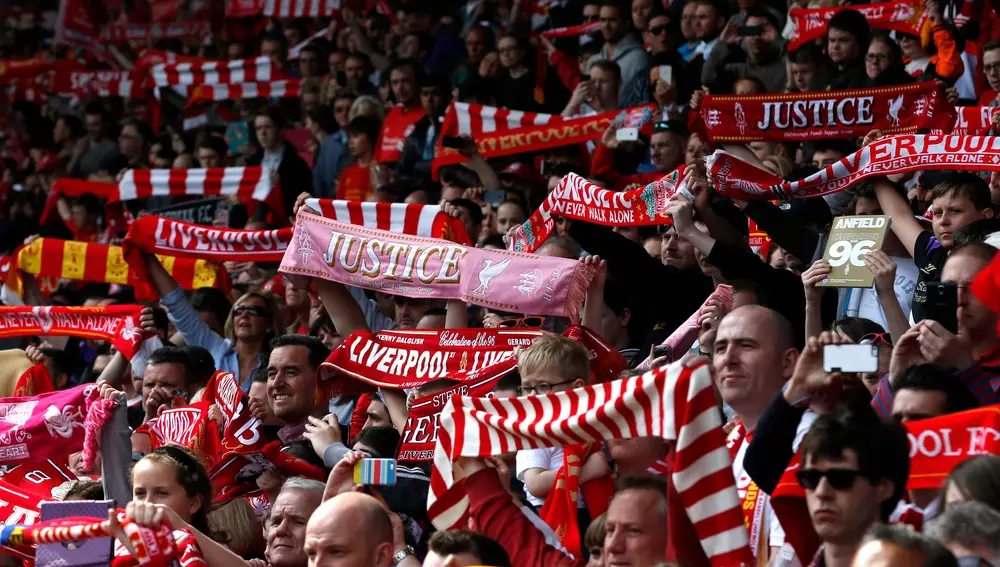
{"points": [[630, 56]]}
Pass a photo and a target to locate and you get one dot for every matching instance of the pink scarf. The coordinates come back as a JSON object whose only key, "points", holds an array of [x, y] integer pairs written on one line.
{"points": [[737, 179], [429, 268], [684, 336]]}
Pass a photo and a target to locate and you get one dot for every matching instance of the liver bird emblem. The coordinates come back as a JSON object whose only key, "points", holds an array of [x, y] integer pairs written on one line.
{"points": [[895, 105], [490, 270]]}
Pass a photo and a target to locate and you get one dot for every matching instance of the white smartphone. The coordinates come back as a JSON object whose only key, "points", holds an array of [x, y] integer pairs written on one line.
{"points": [[667, 74], [627, 134], [850, 358]]}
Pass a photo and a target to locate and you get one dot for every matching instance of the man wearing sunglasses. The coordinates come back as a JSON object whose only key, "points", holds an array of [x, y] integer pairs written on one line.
{"points": [[854, 471]]}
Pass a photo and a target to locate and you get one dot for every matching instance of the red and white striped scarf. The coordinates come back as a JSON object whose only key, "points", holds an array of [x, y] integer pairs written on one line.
{"points": [[122, 33], [676, 403], [251, 182], [401, 218], [151, 57], [587, 28], [300, 8], [463, 118], [237, 91], [126, 84], [259, 69]]}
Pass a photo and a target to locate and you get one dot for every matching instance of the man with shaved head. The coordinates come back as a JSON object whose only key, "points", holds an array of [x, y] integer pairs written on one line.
{"points": [[349, 530], [753, 356]]}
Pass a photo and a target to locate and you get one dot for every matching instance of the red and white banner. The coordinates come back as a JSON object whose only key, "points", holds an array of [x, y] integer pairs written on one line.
{"points": [[126, 84], [971, 121], [239, 91], [187, 426], [160, 235], [78, 23], [244, 8], [155, 31], [821, 115], [408, 359], [257, 70], [904, 153], [300, 8], [674, 403], [938, 444], [250, 182], [117, 324], [150, 57], [401, 218], [500, 132], [899, 15]]}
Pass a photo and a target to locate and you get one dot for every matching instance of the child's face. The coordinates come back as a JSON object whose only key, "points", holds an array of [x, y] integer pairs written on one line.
{"points": [[952, 212], [359, 145], [547, 380]]}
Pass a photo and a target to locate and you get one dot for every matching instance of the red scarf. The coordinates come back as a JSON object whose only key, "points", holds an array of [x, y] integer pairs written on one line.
{"points": [[149, 32], [117, 324], [126, 84], [34, 381], [587, 28], [899, 15], [971, 121], [188, 426], [404, 218], [940, 443], [820, 115], [578, 199], [504, 142], [100, 263], [240, 91], [986, 287], [560, 508], [904, 153]]}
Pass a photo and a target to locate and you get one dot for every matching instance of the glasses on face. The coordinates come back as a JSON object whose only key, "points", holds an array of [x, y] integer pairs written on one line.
{"points": [[658, 30], [250, 310], [875, 338], [877, 58], [838, 479], [524, 322], [541, 389]]}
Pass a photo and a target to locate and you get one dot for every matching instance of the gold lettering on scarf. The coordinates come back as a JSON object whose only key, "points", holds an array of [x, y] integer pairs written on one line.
{"points": [[376, 258]]}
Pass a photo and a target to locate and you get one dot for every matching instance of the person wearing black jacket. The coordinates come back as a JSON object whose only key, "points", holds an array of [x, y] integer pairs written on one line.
{"points": [[414, 167], [280, 156], [846, 46]]}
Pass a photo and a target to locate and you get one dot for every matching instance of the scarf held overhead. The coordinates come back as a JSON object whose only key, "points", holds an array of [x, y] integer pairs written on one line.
{"points": [[117, 324], [413, 219], [578, 199], [161, 235], [413, 266], [675, 403], [830, 114], [904, 153], [898, 15]]}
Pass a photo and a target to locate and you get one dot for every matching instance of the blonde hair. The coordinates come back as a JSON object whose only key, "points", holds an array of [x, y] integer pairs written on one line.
{"points": [[594, 536], [235, 525], [272, 315], [560, 355], [782, 166], [366, 105]]}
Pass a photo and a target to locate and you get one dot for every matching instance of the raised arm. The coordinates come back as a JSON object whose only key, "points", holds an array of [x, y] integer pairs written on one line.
{"points": [[180, 312], [904, 224]]}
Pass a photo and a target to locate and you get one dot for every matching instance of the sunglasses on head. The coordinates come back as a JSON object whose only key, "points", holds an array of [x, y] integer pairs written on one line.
{"points": [[875, 338], [524, 322], [838, 479], [249, 309]]}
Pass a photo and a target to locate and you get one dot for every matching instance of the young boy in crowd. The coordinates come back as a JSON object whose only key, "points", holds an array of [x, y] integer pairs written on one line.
{"points": [[961, 199], [354, 182], [553, 364]]}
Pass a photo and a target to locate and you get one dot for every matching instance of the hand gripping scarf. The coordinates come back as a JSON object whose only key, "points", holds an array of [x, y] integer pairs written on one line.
{"points": [[117, 324], [429, 268], [159, 547], [578, 199], [675, 403], [101, 263], [684, 336], [737, 179], [899, 15], [188, 426], [829, 114]]}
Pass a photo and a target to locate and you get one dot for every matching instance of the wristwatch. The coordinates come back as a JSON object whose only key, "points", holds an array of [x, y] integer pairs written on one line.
{"points": [[402, 554]]}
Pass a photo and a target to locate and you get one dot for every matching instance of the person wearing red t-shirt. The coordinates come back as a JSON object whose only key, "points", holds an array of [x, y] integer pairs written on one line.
{"points": [[405, 78], [354, 182], [81, 216]]}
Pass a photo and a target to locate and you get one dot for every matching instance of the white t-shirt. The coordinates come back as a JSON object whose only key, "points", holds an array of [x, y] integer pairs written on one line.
{"points": [[864, 302], [775, 533], [548, 458]]}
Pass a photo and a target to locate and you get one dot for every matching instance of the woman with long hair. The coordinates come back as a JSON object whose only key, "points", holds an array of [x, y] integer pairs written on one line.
{"points": [[250, 326]]}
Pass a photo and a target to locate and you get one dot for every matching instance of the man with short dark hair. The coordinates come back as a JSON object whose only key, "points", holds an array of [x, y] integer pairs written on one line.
{"points": [[165, 379], [357, 69], [762, 58], [991, 69], [292, 380], [620, 44], [100, 151], [846, 46], [212, 151], [279, 156], [405, 79], [900, 546], [463, 548], [414, 168], [928, 390], [854, 471]]}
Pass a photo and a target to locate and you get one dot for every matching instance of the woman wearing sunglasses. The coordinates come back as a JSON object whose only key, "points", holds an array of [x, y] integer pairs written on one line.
{"points": [[248, 329]]}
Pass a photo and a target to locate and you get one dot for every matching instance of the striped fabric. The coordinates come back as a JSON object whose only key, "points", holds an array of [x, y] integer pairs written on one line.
{"points": [[126, 84], [402, 218], [259, 69], [245, 182], [237, 91], [146, 32], [300, 8], [474, 119], [676, 403], [151, 57], [101, 263]]}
